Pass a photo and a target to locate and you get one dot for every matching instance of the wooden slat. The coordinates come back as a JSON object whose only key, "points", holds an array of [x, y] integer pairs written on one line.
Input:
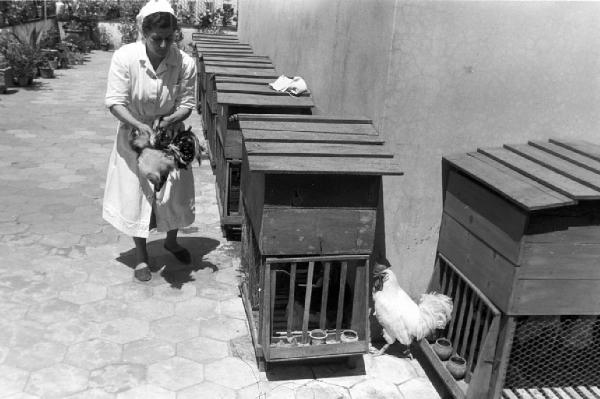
{"points": [[456, 298], [464, 343], [586, 393], [521, 190], [573, 393], [342, 127], [242, 79], [309, 137], [320, 165], [561, 166], [273, 295], [317, 231], [475, 337], [247, 88], [233, 71], [263, 59], [523, 394], [595, 389], [317, 149], [340, 307], [568, 155], [324, 295], [541, 174], [291, 299], [561, 260], [539, 297], [244, 117], [583, 147], [307, 298], [237, 64], [458, 332], [549, 393], [536, 394], [317, 351], [262, 100], [508, 394]]}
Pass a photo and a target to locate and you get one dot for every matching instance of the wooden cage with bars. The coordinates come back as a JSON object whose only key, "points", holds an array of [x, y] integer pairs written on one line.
{"points": [[518, 253], [310, 193]]}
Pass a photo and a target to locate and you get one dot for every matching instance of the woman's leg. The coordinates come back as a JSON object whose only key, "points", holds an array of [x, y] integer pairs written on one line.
{"points": [[173, 246], [142, 269]]}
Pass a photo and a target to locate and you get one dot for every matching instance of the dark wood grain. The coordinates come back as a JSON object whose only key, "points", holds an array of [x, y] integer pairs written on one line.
{"points": [[517, 188], [541, 174], [320, 165], [318, 149], [288, 231], [262, 100], [342, 127], [566, 168], [540, 297], [308, 137]]}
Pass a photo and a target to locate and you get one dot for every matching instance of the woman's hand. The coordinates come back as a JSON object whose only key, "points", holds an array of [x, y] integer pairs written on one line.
{"points": [[144, 129]]}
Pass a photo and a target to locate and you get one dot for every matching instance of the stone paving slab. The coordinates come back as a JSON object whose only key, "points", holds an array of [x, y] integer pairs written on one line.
{"points": [[76, 325]]}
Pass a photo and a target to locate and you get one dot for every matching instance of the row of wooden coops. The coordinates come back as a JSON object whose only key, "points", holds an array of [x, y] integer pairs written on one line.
{"points": [[519, 246], [304, 191]]}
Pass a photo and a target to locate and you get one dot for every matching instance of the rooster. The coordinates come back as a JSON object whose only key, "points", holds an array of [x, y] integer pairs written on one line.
{"points": [[164, 151], [401, 318]]}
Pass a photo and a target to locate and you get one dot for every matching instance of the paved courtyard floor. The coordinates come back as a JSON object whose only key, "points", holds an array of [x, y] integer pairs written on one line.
{"points": [[73, 322]]}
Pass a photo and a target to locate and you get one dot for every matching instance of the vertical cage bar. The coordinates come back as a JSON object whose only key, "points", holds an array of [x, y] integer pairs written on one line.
{"points": [[473, 344], [459, 328], [444, 271], [272, 299], [291, 299], [307, 299], [340, 309], [324, 296], [468, 326], [453, 323]]}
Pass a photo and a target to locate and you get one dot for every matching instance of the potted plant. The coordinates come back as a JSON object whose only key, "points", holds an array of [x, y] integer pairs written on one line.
{"points": [[22, 56], [6, 72], [46, 71], [104, 38]]}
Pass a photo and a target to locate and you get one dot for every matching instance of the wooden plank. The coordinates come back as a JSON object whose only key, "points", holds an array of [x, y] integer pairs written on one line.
{"points": [[324, 295], [560, 260], [587, 394], [307, 299], [290, 307], [582, 147], [251, 88], [491, 272], [508, 394], [360, 302], [344, 191], [523, 394], [533, 170], [237, 64], [312, 126], [262, 59], [460, 286], [539, 297], [244, 117], [242, 79], [573, 393], [464, 342], [340, 303], [519, 189], [458, 330], [595, 390], [233, 144], [322, 165], [549, 393], [272, 299], [265, 322], [475, 338], [558, 165], [317, 351], [263, 100], [492, 218], [326, 258], [308, 137], [288, 231], [233, 71], [320, 149], [536, 394], [568, 155]]}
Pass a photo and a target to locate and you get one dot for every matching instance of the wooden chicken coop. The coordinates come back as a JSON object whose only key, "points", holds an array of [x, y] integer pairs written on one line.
{"points": [[310, 190], [233, 98], [519, 253]]}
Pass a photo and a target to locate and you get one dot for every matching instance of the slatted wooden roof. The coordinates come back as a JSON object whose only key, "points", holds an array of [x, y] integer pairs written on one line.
{"points": [[274, 99], [536, 175], [315, 145], [241, 71]]}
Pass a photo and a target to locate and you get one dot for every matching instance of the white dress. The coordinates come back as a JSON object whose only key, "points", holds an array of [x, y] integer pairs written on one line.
{"points": [[128, 196]]}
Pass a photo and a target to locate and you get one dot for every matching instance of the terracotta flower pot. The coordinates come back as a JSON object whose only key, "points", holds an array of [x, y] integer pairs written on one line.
{"points": [[47, 73], [349, 336], [457, 367], [443, 348], [24, 80], [317, 336]]}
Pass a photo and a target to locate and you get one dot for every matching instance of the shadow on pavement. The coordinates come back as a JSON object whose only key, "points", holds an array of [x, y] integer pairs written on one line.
{"points": [[173, 271]]}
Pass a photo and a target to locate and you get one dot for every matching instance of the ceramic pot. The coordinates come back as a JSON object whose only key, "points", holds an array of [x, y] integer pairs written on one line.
{"points": [[457, 366], [317, 336], [349, 336], [47, 73], [443, 348]]}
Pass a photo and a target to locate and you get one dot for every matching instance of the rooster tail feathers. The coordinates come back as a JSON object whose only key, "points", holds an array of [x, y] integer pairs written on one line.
{"points": [[435, 311]]}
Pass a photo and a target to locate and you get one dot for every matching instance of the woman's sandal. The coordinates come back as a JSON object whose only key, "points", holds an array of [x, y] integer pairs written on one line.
{"points": [[142, 272], [182, 255]]}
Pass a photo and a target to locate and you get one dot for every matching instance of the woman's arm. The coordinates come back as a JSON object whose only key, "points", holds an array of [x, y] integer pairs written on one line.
{"points": [[179, 115], [123, 114]]}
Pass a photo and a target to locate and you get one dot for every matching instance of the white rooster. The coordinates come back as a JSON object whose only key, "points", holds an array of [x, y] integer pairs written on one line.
{"points": [[401, 318]]}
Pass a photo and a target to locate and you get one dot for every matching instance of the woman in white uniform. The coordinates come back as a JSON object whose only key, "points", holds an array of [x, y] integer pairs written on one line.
{"points": [[148, 79]]}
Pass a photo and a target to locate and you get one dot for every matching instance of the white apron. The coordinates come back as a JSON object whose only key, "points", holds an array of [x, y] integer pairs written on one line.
{"points": [[129, 197]]}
